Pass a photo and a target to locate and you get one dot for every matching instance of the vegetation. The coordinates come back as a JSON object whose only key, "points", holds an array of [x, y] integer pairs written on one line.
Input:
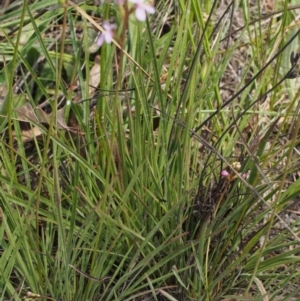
{"points": [[161, 166]]}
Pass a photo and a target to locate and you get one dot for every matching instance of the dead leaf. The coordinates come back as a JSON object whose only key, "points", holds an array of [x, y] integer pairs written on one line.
{"points": [[3, 93], [61, 123], [94, 78], [28, 135], [27, 113]]}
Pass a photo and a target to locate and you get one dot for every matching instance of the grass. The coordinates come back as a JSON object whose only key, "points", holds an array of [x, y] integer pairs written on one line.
{"points": [[111, 157]]}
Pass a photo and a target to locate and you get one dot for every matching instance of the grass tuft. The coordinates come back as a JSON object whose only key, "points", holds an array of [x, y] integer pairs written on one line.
{"points": [[161, 166]]}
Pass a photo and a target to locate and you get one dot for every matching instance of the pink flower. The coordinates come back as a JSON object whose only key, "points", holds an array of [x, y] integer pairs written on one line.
{"points": [[142, 8], [224, 173], [108, 33]]}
